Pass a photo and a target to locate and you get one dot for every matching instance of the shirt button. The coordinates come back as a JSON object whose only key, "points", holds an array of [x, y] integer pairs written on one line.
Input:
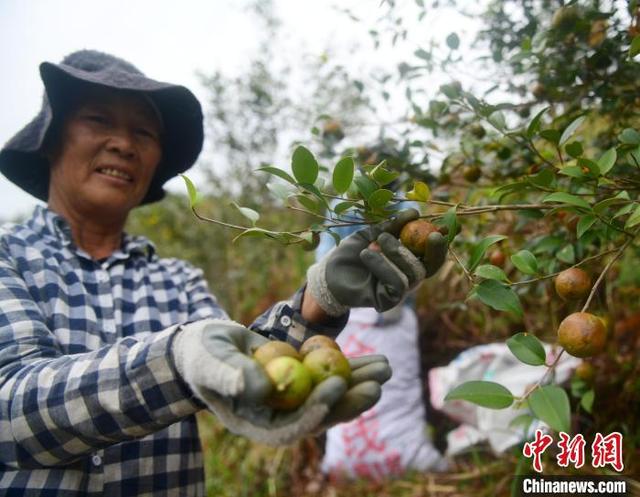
{"points": [[285, 321], [96, 460], [102, 277]]}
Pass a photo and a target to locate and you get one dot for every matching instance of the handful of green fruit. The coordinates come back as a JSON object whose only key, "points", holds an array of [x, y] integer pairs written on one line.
{"points": [[294, 373]]}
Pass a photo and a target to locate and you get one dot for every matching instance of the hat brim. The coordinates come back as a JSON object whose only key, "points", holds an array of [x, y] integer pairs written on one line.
{"points": [[22, 162]]}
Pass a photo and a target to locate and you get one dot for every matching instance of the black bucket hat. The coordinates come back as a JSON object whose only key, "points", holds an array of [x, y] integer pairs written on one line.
{"points": [[22, 160]]}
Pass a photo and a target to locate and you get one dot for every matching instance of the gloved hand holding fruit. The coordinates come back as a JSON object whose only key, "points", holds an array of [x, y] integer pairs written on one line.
{"points": [[267, 390], [372, 268]]}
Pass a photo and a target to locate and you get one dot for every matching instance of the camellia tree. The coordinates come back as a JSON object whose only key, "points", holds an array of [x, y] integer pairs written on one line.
{"points": [[536, 192]]}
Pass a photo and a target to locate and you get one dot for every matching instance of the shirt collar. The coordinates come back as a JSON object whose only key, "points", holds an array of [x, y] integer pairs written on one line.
{"points": [[52, 224]]}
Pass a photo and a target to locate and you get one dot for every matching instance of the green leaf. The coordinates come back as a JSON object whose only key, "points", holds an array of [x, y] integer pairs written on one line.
{"points": [[551, 405], [451, 91], [523, 420], [453, 41], [309, 203], [567, 198], [343, 174], [304, 165], [423, 54], [607, 160], [380, 198], [574, 149], [490, 272], [543, 179], [191, 190], [551, 135], [623, 211], [603, 205], [587, 401], [584, 223], [383, 176], [499, 297], [498, 120], [279, 190], [254, 232], [483, 393], [548, 244], [634, 219], [594, 169], [312, 189], [571, 129], [420, 192], [365, 185], [567, 254], [534, 125], [478, 251], [629, 136], [344, 206], [572, 171], [450, 220], [525, 261], [278, 172], [527, 349], [634, 49], [250, 214], [510, 188]]}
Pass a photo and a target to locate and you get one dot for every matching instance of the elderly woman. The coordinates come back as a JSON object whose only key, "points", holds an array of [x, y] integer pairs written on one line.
{"points": [[106, 350]]}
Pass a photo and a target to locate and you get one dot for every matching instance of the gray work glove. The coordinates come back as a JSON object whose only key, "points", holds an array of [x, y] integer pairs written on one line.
{"points": [[354, 275], [214, 358]]}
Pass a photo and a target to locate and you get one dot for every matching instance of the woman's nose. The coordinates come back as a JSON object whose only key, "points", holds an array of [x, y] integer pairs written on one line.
{"points": [[122, 142]]}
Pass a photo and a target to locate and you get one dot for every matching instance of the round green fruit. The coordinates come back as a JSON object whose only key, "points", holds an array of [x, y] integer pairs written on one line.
{"points": [[324, 362], [270, 350], [291, 382], [317, 342]]}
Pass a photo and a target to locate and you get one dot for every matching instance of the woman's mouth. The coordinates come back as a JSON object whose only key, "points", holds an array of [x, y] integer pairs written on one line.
{"points": [[115, 173]]}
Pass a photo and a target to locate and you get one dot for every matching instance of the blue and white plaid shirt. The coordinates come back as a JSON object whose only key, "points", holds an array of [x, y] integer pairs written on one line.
{"points": [[90, 400]]}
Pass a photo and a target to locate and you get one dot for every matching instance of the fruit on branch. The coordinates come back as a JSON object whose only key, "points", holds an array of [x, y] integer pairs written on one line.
{"points": [[324, 362], [539, 91], [565, 18], [414, 235], [272, 349], [317, 342], [291, 382], [333, 129], [582, 334], [472, 173], [497, 257], [585, 372], [477, 130], [573, 284]]}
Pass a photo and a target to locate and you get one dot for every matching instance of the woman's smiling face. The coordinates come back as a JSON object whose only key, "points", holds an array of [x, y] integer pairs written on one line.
{"points": [[108, 149]]}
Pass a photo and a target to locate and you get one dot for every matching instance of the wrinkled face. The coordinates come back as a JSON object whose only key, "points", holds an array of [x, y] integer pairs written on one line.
{"points": [[107, 153]]}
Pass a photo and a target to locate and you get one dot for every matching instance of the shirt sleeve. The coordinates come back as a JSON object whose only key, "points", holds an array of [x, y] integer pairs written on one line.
{"points": [[284, 321], [55, 408]]}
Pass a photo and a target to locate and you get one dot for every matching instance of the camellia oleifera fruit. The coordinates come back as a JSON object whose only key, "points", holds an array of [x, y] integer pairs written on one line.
{"points": [[272, 349], [317, 342], [573, 284], [582, 334], [414, 235], [291, 382], [585, 372], [324, 362]]}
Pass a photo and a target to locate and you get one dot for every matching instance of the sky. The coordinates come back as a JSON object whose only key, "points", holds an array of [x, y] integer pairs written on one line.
{"points": [[168, 40]]}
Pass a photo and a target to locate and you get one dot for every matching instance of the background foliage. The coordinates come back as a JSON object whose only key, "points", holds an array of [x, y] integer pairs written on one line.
{"points": [[540, 111]]}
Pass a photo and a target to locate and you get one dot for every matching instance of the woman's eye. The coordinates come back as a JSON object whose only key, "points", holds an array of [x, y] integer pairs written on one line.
{"points": [[97, 118]]}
